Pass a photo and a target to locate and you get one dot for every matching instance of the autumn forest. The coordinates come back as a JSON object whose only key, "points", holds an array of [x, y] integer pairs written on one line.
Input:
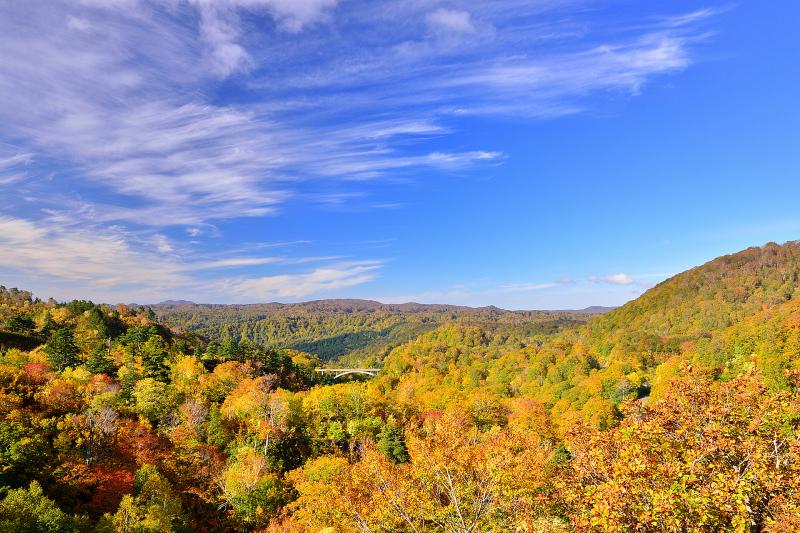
{"points": [[678, 411]]}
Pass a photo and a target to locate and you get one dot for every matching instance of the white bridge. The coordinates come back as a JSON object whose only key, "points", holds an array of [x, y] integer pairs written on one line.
{"points": [[339, 372]]}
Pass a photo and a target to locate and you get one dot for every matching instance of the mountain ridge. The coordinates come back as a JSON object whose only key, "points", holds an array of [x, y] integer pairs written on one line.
{"points": [[367, 304]]}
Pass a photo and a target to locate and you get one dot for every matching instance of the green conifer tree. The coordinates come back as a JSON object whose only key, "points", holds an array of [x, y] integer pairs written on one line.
{"points": [[62, 350], [99, 362], [392, 443], [154, 355], [48, 324]]}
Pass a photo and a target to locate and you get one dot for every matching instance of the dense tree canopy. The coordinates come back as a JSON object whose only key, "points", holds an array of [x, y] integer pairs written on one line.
{"points": [[679, 411]]}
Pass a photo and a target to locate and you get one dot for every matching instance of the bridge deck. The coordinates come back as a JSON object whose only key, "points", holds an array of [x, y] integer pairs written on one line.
{"points": [[340, 372], [347, 369]]}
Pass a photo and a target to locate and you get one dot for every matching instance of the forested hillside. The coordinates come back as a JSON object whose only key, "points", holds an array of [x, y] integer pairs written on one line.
{"points": [[678, 411], [358, 331], [728, 316]]}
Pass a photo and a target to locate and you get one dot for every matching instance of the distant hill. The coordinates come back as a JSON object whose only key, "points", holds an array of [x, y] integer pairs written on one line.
{"points": [[595, 310], [733, 314], [706, 298], [343, 305], [360, 329], [357, 305], [176, 302]]}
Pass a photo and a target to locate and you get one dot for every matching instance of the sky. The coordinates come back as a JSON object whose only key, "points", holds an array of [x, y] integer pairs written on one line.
{"points": [[537, 154]]}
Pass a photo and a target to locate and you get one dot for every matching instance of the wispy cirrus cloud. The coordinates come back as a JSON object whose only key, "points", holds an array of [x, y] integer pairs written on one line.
{"points": [[448, 21], [613, 288], [102, 262], [484, 292], [220, 30], [106, 94], [524, 287], [120, 92], [301, 285], [237, 262], [12, 165], [129, 117]]}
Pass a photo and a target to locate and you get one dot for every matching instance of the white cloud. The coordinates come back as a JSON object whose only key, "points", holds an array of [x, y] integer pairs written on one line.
{"points": [[319, 280], [534, 82], [121, 101], [12, 164], [693, 17], [296, 15], [237, 262], [163, 245], [77, 23], [616, 279], [126, 100], [12, 160], [106, 264], [544, 69], [475, 293], [111, 104], [103, 261], [450, 21], [220, 27]]}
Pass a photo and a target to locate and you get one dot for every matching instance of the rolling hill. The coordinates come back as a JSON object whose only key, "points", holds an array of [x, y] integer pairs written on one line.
{"points": [[361, 331]]}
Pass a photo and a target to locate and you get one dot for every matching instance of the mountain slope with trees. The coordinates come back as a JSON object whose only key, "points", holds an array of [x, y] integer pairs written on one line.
{"points": [[727, 316], [678, 411], [355, 331]]}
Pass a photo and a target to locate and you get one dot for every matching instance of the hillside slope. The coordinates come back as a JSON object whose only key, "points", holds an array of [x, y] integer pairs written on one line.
{"points": [[363, 331], [706, 298], [731, 314]]}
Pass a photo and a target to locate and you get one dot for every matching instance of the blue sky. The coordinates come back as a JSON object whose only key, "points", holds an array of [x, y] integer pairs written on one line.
{"points": [[526, 154]]}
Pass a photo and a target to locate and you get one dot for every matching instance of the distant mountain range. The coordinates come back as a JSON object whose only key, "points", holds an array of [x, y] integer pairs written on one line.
{"points": [[353, 304], [359, 329]]}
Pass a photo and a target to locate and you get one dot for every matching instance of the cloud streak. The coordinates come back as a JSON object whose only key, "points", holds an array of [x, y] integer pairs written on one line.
{"points": [[105, 94], [294, 286], [616, 279], [102, 87], [83, 258], [102, 263], [121, 120]]}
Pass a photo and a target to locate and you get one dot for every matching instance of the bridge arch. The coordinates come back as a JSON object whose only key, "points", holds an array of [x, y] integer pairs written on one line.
{"points": [[341, 372]]}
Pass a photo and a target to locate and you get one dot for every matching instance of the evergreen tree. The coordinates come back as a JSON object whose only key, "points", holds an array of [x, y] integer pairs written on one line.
{"points": [[154, 358], [21, 323], [392, 443], [231, 351], [216, 432], [48, 324], [135, 337], [97, 322], [62, 350], [183, 347], [99, 362]]}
